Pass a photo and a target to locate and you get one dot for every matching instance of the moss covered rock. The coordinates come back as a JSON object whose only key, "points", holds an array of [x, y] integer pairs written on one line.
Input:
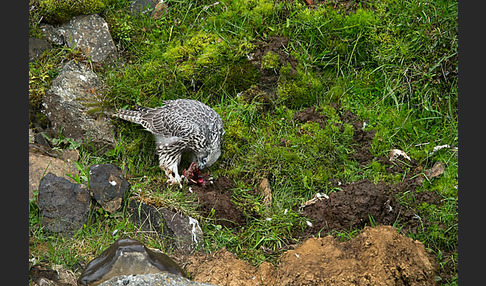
{"points": [[59, 11]]}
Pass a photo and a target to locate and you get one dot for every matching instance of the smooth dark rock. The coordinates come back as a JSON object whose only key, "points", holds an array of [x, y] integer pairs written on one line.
{"points": [[108, 186], [64, 205], [127, 256], [68, 102], [37, 47], [180, 232]]}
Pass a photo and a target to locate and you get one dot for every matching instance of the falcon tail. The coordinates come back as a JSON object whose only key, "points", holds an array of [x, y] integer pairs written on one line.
{"points": [[134, 116]]}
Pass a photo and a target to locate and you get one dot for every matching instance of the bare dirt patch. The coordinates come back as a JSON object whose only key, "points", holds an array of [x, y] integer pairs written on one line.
{"points": [[377, 256], [217, 196], [221, 268], [277, 46], [357, 205], [362, 139], [311, 114], [345, 6]]}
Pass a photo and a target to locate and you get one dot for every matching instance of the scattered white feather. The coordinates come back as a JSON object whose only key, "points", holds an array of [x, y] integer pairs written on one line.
{"points": [[195, 228]]}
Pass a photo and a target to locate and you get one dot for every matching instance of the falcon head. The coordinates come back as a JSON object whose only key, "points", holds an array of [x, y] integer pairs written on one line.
{"points": [[207, 158], [214, 148], [212, 153]]}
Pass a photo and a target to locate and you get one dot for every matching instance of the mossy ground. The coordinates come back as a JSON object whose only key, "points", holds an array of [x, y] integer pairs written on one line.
{"points": [[392, 63]]}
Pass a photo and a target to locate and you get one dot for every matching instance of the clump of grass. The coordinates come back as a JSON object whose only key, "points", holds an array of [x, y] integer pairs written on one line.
{"points": [[299, 89], [303, 156], [270, 61]]}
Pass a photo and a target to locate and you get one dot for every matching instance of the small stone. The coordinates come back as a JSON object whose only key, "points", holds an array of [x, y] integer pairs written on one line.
{"points": [[36, 48], [108, 186], [143, 6]]}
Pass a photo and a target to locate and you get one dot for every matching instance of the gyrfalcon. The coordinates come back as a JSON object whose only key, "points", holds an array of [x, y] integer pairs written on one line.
{"points": [[178, 126]]}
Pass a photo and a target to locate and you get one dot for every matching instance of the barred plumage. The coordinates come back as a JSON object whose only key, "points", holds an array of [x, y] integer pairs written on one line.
{"points": [[178, 126]]}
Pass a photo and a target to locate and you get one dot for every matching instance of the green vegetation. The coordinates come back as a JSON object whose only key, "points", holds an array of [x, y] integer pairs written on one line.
{"points": [[392, 63], [59, 11]]}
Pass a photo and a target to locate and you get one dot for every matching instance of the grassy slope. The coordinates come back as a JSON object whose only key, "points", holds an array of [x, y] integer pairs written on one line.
{"points": [[393, 63]]}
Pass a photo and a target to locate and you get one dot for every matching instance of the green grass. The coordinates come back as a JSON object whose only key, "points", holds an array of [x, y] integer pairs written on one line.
{"points": [[392, 63]]}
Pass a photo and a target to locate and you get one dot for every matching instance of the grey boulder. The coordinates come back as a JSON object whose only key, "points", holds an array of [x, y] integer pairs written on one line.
{"points": [[89, 33], [68, 102]]}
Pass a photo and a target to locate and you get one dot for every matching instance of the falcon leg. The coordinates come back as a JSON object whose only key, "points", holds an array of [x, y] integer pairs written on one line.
{"points": [[176, 179], [172, 173], [169, 159]]}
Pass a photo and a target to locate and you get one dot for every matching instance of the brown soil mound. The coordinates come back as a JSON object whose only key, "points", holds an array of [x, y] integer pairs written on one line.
{"points": [[378, 256], [221, 268]]}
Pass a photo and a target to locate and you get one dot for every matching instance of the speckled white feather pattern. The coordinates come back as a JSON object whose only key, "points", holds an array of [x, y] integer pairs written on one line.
{"points": [[180, 125]]}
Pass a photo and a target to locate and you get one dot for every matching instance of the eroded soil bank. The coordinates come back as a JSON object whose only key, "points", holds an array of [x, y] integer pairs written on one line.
{"points": [[377, 256]]}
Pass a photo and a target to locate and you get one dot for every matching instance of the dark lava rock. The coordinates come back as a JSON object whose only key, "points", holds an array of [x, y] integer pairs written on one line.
{"points": [[37, 47], [181, 232], [64, 205], [127, 256], [67, 106], [108, 186]]}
